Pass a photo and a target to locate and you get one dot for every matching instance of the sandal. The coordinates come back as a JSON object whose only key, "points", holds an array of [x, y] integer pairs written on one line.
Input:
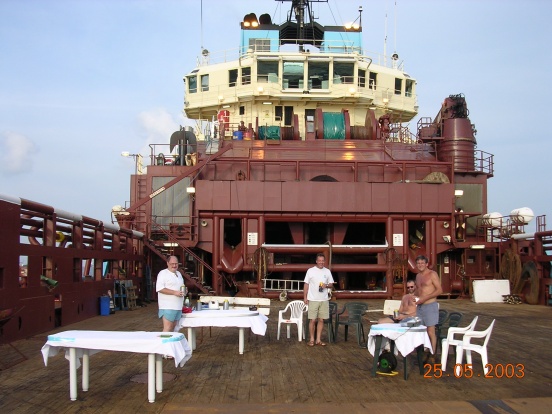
{"points": [[321, 343], [311, 343]]}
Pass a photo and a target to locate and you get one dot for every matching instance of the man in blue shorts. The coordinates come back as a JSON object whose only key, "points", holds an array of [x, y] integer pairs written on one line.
{"points": [[170, 295], [428, 287]]}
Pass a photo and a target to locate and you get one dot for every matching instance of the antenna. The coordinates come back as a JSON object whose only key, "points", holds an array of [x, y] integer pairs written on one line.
{"points": [[395, 34], [201, 25], [385, 37]]}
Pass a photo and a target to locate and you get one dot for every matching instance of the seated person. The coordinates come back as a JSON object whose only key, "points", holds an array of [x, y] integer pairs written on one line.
{"points": [[408, 305]]}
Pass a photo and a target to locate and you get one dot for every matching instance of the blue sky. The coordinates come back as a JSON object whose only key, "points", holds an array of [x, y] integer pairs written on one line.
{"points": [[83, 80]]}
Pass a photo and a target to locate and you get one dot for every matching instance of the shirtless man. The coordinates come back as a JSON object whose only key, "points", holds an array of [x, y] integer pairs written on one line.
{"points": [[408, 305], [428, 287]]}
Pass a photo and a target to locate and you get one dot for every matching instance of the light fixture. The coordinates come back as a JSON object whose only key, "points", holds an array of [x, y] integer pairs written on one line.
{"points": [[385, 101], [250, 21], [446, 224], [260, 89], [477, 246], [354, 25], [170, 244], [267, 103], [458, 193], [226, 106], [190, 190], [352, 90], [447, 239], [203, 223], [138, 165]]}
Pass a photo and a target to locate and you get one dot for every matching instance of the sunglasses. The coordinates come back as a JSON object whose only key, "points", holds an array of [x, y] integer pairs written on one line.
{"points": [[411, 287]]}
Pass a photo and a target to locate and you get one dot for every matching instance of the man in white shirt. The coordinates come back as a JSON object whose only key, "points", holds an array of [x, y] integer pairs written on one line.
{"points": [[170, 295], [315, 294]]}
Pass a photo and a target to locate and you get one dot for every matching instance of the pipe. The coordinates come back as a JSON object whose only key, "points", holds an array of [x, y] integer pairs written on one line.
{"points": [[315, 248], [289, 267], [339, 294]]}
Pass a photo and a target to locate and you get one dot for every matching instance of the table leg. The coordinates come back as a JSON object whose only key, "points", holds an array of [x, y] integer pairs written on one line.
{"points": [[85, 369], [159, 372], [73, 374], [241, 341], [192, 338], [151, 378], [376, 355], [420, 355]]}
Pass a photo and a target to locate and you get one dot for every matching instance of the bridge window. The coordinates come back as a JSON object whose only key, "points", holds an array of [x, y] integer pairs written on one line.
{"points": [[246, 76], [293, 75], [343, 72], [373, 80], [398, 86], [267, 72], [319, 74], [192, 84], [361, 78], [232, 77], [409, 88], [204, 83]]}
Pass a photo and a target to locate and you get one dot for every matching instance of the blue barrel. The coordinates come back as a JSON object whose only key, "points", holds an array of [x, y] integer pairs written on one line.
{"points": [[104, 305], [238, 135]]}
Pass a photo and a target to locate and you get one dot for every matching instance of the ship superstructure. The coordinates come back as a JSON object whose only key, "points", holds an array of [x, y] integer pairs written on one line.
{"points": [[302, 146]]}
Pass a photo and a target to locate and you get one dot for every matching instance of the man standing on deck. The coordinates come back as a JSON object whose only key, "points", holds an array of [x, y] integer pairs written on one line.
{"points": [[170, 295], [428, 287], [315, 294]]}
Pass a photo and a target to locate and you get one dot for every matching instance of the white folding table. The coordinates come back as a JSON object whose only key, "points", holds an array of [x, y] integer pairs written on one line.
{"points": [[239, 318], [82, 344]]}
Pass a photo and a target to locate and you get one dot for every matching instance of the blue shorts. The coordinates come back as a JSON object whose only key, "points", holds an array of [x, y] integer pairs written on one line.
{"points": [[170, 314], [428, 313]]}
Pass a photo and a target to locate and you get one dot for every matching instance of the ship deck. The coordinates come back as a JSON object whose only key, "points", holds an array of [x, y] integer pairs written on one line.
{"points": [[285, 376]]}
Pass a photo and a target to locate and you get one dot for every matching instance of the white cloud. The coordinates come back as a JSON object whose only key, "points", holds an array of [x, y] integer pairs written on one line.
{"points": [[17, 153], [158, 125]]}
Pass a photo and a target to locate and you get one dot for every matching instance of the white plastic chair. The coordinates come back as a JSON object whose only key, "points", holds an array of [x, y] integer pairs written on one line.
{"points": [[468, 347], [296, 309], [451, 341]]}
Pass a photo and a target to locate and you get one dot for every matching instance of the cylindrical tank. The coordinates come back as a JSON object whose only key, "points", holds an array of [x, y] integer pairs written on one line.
{"points": [[458, 144], [522, 215], [492, 219]]}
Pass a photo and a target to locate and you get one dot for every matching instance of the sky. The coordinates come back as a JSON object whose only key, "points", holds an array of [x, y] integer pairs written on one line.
{"points": [[83, 80]]}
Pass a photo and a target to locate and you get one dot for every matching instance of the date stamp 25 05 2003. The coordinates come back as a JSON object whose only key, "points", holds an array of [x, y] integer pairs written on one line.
{"points": [[466, 371]]}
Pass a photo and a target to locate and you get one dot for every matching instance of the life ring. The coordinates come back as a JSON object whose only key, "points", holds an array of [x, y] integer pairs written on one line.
{"points": [[59, 236]]}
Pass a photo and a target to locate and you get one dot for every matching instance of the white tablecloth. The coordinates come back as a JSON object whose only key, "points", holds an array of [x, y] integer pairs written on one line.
{"points": [[224, 318], [141, 342], [81, 344], [406, 339]]}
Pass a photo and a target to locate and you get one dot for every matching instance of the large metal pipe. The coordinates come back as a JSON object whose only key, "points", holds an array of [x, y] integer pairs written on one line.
{"points": [[337, 294], [315, 248], [289, 267]]}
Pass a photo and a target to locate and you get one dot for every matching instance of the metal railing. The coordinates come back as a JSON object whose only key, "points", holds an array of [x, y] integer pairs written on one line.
{"points": [[280, 284]]}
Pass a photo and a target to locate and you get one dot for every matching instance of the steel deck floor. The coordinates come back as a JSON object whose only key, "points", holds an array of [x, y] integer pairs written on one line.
{"points": [[287, 376]]}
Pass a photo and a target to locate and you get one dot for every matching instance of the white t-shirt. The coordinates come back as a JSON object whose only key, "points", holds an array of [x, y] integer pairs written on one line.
{"points": [[314, 277], [169, 280]]}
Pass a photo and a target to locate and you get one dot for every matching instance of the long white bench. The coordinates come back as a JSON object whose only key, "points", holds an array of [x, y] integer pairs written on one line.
{"points": [[237, 302]]}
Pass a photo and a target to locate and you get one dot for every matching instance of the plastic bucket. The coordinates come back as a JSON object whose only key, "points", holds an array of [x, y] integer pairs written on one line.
{"points": [[238, 135]]}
